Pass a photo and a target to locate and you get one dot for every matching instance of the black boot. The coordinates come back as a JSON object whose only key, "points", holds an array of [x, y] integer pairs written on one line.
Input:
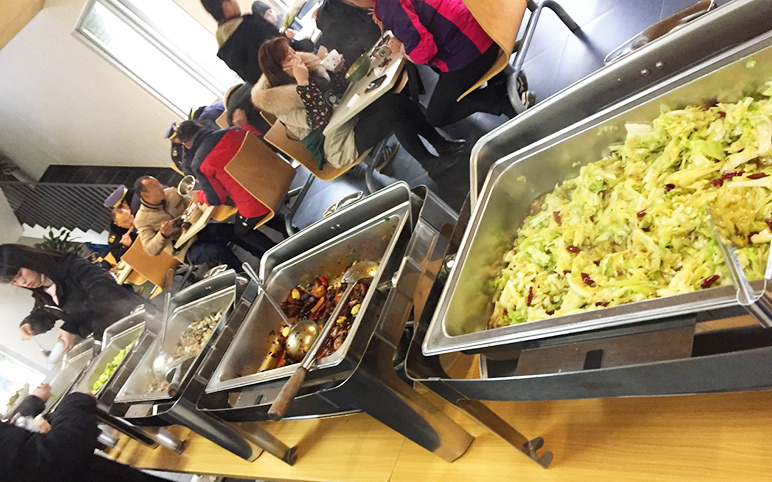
{"points": [[436, 166], [448, 147]]}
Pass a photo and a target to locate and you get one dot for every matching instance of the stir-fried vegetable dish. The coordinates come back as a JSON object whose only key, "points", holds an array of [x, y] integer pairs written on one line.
{"points": [[110, 369], [636, 224]]}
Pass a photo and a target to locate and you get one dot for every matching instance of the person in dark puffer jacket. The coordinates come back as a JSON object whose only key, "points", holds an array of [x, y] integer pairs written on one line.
{"points": [[65, 286], [66, 452]]}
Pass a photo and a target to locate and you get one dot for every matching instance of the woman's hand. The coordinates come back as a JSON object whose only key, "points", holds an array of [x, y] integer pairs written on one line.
{"points": [[67, 338], [322, 52], [299, 71], [43, 425], [25, 332], [396, 47], [239, 117]]}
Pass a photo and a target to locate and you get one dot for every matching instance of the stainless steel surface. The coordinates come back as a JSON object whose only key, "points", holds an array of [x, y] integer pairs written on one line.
{"points": [[116, 337], [136, 386], [373, 239], [162, 363], [460, 321], [720, 30], [301, 337], [276, 306], [663, 27], [73, 364]]}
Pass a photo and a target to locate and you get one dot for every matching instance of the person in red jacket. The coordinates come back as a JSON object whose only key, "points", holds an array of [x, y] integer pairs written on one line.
{"points": [[212, 150]]}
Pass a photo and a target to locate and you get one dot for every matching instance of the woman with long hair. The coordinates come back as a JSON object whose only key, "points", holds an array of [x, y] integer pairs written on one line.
{"points": [[65, 287], [301, 94]]}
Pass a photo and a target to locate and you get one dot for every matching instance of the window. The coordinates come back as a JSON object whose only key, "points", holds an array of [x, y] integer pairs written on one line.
{"points": [[13, 375], [161, 47]]}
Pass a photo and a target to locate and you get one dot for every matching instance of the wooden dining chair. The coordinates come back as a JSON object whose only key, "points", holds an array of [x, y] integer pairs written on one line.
{"points": [[153, 268], [501, 20], [262, 173]]}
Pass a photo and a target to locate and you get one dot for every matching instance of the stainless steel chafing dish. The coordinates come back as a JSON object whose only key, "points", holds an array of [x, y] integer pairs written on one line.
{"points": [[372, 240], [459, 322]]}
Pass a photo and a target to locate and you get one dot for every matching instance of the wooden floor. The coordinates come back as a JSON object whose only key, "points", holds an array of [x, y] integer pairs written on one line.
{"points": [[686, 438]]}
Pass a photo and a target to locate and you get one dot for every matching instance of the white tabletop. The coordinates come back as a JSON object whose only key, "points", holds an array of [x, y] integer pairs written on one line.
{"points": [[201, 222], [356, 99]]}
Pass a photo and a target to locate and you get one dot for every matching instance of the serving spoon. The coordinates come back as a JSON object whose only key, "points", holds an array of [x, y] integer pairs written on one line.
{"points": [[357, 272]]}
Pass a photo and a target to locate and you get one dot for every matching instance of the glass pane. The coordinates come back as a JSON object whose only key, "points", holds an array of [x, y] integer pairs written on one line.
{"points": [[13, 375], [179, 29], [144, 60]]}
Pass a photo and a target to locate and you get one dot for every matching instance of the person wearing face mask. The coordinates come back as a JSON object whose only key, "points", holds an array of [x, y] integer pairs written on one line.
{"points": [[65, 286]]}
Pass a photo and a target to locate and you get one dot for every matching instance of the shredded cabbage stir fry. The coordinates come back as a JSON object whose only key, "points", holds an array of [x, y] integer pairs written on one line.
{"points": [[635, 225]]}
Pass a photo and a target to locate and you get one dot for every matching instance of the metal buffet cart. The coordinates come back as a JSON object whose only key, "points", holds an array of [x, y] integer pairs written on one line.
{"points": [[426, 302]]}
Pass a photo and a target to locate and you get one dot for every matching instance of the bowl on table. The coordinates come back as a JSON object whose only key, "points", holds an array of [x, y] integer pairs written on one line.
{"points": [[359, 68]]}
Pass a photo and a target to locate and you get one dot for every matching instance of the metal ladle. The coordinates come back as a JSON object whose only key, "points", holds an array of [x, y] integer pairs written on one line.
{"points": [[359, 271], [163, 362], [46, 353]]}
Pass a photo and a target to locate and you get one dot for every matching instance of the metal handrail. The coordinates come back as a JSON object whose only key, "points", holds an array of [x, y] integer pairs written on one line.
{"points": [[59, 205]]}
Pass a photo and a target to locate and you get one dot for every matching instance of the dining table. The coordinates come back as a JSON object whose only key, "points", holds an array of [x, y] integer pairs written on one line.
{"points": [[357, 96], [203, 215]]}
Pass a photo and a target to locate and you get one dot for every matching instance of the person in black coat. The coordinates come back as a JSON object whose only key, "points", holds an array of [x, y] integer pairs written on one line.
{"points": [[347, 29], [239, 37], [66, 452], [65, 286]]}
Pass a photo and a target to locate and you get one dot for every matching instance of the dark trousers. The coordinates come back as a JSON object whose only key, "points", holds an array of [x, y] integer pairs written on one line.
{"points": [[399, 114], [211, 244], [443, 108]]}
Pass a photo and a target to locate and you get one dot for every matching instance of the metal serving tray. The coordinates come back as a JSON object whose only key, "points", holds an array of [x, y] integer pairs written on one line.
{"points": [[459, 323], [724, 28], [73, 364], [135, 387], [116, 337], [372, 240]]}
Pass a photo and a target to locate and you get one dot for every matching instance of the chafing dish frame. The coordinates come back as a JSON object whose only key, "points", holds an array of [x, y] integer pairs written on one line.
{"points": [[519, 179]]}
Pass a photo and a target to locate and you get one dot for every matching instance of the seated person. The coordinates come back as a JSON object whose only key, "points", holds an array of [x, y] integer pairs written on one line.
{"points": [[159, 225], [452, 43], [263, 10], [63, 450], [124, 198], [206, 115], [123, 232], [212, 150], [239, 37], [294, 89]]}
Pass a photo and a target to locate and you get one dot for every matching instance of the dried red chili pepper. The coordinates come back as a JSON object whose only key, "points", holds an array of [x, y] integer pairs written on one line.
{"points": [[641, 213], [750, 235], [550, 312], [587, 280], [709, 281], [717, 182], [602, 303], [721, 113], [757, 175], [566, 271], [530, 296], [769, 223], [323, 280], [572, 249], [731, 174], [558, 219], [597, 263], [669, 187]]}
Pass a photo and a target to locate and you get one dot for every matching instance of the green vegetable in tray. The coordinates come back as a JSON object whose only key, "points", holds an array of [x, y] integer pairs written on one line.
{"points": [[110, 369], [634, 225]]}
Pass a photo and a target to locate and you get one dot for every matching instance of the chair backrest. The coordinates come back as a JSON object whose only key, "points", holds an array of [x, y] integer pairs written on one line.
{"points": [[269, 118], [262, 173], [222, 121], [153, 268], [501, 20], [278, 136]]}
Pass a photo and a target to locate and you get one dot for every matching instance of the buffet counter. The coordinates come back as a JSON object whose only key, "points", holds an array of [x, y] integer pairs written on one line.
{"points": [[718, 436]]}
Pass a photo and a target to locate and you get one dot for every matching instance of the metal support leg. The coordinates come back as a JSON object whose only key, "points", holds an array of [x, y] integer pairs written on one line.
{"points": [[126, 428], [562, 15], [487, 418], [296, 205], [247, 444], [391, 401]]}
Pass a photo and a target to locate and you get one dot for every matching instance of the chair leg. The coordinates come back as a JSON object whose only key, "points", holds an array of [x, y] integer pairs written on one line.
{"points": [[371, 166], [296, 205], [562, 15], [191, 266]]}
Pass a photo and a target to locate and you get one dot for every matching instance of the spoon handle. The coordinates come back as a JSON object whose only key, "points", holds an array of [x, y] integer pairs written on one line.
{"points": [[290, 389]]}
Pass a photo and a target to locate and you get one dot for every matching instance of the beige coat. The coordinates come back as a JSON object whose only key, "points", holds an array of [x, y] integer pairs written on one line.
{"points": [[285, 103], [148, 223]]}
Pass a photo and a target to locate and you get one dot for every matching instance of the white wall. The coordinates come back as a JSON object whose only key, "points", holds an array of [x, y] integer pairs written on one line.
{"points": [[60, 103]]}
